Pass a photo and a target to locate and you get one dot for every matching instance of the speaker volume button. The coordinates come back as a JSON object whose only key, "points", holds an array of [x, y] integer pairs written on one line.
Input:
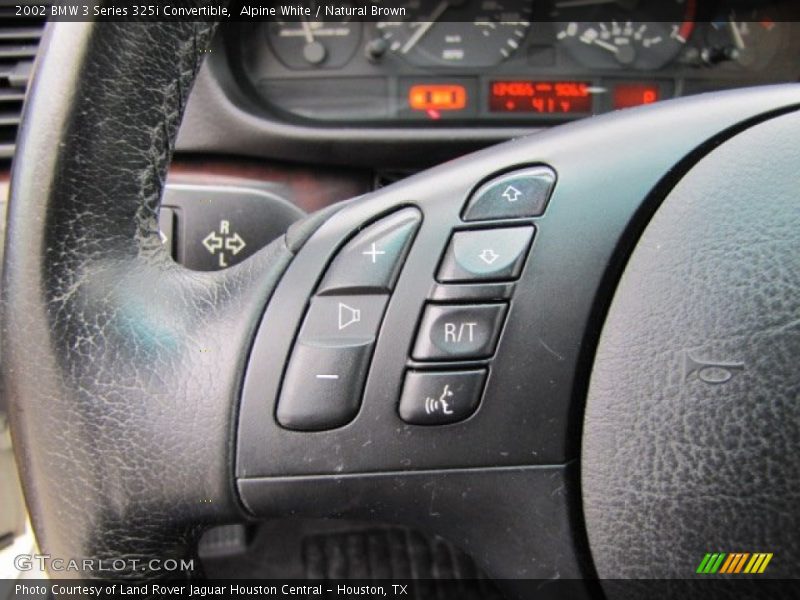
{"points": [[325, 378], [343, 320], [328, 366]]}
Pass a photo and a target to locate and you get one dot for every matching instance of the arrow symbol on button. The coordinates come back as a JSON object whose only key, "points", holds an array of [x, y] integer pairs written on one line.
{"points": [[235, 243], [511, 194], [488, 256], [212, 242]]}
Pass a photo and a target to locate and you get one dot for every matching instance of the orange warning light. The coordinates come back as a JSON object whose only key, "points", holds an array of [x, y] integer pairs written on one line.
{"points": [[437, 97]]}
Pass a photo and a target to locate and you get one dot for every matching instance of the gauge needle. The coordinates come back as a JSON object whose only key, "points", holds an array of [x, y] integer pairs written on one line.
{"points": [[423, 29], [738, 40], [606, 45], [307, 31], [625, 55]]}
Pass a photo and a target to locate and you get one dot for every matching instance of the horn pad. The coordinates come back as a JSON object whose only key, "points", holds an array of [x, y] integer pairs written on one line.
{"points": [[691, 440]]}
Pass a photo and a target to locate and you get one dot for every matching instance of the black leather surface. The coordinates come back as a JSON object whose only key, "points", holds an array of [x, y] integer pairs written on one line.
{"points": [[672, 466], [121, 367]]}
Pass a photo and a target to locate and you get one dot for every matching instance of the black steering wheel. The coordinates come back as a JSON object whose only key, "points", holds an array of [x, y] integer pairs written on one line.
{"points": [[598, 377]]}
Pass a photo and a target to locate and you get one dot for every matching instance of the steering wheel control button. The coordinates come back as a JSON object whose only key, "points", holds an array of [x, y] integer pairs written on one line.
{"points": [[328, 367], [486, 254], [323, 385], [217, 226], [372, 260], [343, 320], [440, 397], [520, 194], [459, 331]]}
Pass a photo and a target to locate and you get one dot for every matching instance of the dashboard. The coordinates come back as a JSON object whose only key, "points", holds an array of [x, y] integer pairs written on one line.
{"points": [[495, 63]]}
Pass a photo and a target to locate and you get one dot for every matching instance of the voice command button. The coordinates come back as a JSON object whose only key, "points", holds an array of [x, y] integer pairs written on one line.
{"points": [[440, 397]]}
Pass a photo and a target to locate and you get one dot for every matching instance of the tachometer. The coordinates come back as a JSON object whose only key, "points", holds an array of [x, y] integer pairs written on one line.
{"points": [[610, 34], [458, 33]]}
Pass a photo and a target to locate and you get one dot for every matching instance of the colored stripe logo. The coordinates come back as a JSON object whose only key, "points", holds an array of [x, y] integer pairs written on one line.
{"points": [[734, 563]]}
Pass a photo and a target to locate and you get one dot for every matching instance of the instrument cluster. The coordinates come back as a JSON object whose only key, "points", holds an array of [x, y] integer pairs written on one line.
{"points": [[500, 62]]}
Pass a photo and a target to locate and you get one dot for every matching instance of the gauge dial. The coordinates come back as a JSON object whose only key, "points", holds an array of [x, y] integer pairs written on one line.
{"points": [[614, 34], [458, 33], [742, 39], [310, 44]]}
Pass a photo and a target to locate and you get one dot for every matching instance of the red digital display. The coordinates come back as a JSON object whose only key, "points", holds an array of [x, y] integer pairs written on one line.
{"points": [[635, 94], [545, 97]]}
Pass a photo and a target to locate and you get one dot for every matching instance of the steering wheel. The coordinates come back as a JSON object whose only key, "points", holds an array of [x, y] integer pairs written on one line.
{"points": [[596, 377]]}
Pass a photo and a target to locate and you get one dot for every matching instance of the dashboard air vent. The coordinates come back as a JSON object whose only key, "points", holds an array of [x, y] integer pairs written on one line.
{"points": [[19, 40]]}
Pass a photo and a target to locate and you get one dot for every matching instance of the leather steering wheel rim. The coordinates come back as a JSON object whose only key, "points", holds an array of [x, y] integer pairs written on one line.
{"points": [[84, 266]]}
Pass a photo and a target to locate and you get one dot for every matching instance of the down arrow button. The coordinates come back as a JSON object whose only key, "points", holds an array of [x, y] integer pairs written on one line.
{"points": [[486, 254]]}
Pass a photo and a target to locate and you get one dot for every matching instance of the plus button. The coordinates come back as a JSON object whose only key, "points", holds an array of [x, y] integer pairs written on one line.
{"points": [[373, 253]]}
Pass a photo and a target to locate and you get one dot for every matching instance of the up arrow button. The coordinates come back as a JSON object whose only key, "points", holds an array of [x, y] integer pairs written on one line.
{"points": [[486, 254], [518, 194]]}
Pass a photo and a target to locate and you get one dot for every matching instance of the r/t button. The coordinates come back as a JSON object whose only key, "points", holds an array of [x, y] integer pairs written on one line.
{"points": [[459, 331]]}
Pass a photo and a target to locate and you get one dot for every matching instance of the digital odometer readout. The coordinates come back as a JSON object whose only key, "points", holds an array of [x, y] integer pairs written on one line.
{"points": [[543, 97]]}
